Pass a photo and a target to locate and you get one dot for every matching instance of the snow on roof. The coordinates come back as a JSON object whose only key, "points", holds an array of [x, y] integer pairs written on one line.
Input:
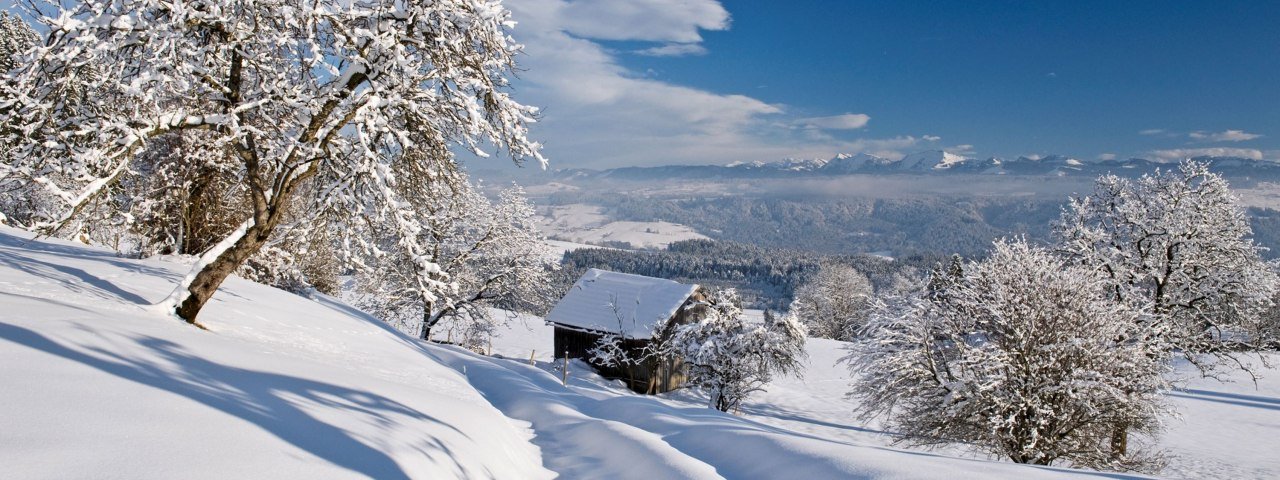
{"points": [[612, 302]]}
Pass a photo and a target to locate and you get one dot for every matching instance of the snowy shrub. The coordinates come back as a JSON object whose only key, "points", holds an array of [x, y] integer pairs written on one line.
{"points": [[184, 198], [1267, 335], [728, 358], [1024, 357], [834, 303], [1176, 243], [609, 351], [276, 267], [486, 254], [347, 96]]}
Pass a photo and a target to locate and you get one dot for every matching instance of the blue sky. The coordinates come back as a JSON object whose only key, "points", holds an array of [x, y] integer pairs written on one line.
{"points": [[656, 82], [649, 82]]}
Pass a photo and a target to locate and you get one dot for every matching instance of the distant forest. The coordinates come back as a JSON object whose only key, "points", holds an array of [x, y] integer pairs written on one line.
{"points": [[767, 247], [897, 227], [766, 277], [923, 226]]}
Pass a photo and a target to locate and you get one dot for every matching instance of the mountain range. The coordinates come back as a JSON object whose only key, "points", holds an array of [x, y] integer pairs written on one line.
{"points": [[932, 162]]}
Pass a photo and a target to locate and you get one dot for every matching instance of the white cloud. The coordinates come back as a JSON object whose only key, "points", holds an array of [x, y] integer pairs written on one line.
{"points": [[597, 113], [931, 138], [1227, 136], [1182, 153], [1107, 156], [965, 150], [1152, 131], [674, 50], [649, 20], [847, 121]]}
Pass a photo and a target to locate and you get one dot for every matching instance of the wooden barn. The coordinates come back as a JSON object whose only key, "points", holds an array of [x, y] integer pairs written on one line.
{"points": [[633, 307]]}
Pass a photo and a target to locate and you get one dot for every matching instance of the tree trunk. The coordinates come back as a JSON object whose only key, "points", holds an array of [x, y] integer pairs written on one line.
{"points": [[1119, 441], [427, 321], [211, 277]]}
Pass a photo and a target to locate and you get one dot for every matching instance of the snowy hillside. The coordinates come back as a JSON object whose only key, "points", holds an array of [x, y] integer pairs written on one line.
{"points": [[100, 386], [587, 224], [1226, 430]]}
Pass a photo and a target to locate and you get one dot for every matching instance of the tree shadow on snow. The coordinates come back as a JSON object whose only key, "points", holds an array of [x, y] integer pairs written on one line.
{"points": [[74, 278], [1255, 401], [44, 245], [271, 401], [765, 410]]}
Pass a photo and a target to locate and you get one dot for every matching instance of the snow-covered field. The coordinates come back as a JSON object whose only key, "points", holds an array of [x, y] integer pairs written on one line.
{"points": [[1226, 430], [98, 385], [583, 223], [560, 247]]}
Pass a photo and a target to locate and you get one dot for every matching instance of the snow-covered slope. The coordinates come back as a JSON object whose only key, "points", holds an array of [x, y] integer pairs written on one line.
{"points": [[96, 385], [1226, 430], [581, 223]]}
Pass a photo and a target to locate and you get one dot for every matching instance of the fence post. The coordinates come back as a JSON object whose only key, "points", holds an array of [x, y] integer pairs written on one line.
{"points": [[564, 380], [531, 352]]}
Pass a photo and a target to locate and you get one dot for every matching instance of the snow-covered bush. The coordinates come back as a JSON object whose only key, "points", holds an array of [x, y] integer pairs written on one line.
{"points": [[276, 267], [834, 303], [1177, 244], [1024, 357], [487, 254], [330, 91], [610, 352], [185, 197], [1267, 335], [728, 358]]}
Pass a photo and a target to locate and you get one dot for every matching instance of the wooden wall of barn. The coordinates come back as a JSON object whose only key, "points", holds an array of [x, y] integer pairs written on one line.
{"points": [[652, 376]]}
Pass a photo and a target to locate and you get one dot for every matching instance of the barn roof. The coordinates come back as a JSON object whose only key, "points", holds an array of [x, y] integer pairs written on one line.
{"points": [[612, 302]]}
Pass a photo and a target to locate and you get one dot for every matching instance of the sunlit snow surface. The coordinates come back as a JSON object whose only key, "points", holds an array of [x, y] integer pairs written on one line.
{"points": [[97, 386]]}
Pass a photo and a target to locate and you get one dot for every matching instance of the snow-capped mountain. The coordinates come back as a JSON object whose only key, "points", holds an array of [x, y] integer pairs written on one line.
{"points": [[845, 163], [932, 162]]}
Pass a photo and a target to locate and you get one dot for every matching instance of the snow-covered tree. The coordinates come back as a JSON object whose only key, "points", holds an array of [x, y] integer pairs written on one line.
{"points": [[834, 303], [1026, 357], [16, 40], [1267, 335], [728, 357], [487, 254], [943, 277], [330, 91], [1178, 244], [18, 200]]}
